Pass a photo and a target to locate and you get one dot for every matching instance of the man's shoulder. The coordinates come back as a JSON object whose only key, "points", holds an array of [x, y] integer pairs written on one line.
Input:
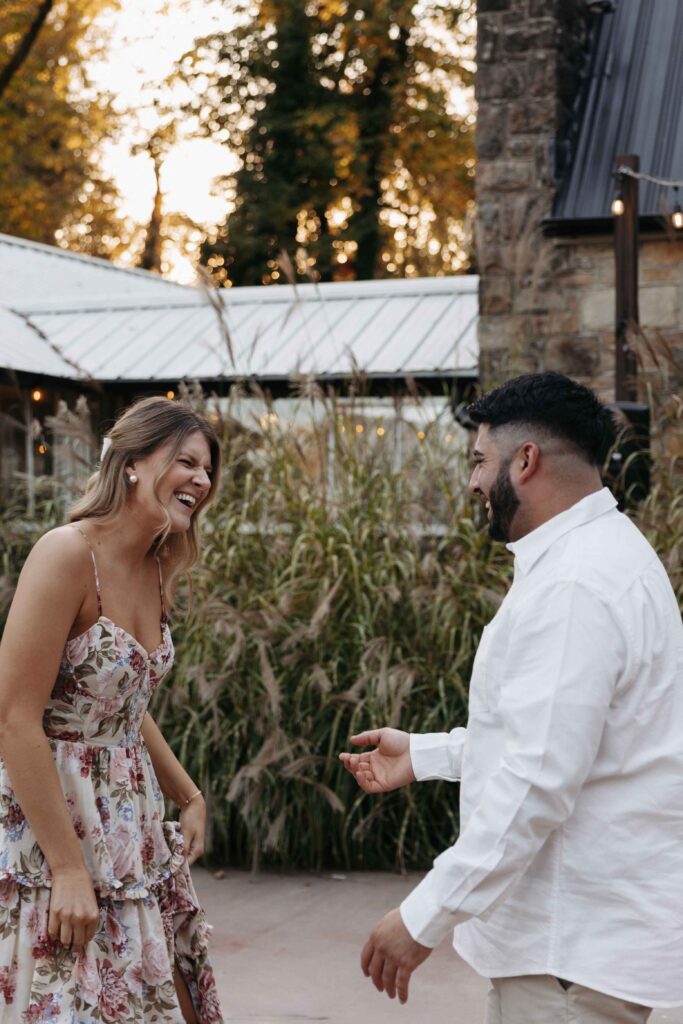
{"points": [[608, 554]]}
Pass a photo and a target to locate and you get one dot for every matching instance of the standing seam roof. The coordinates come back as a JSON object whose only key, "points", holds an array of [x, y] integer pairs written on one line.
{"points": [[631, 102], [76, 318]]}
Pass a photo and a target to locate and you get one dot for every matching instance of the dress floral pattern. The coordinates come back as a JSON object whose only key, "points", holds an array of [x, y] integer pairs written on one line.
{"points": [[150, 919]]}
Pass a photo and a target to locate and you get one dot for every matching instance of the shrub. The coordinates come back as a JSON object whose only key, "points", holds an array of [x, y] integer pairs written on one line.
{"points": [[319, 611], [332, 595]]}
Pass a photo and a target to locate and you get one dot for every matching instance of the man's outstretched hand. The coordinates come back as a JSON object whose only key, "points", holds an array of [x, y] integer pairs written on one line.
{"points": [[391, 955], [386, 767]]}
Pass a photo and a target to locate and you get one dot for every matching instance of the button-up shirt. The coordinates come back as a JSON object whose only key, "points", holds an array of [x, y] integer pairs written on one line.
{"points": [[570, 855]]}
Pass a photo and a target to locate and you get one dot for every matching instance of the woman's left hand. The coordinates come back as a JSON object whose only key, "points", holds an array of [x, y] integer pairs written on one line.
{"points": [[193, 827]]}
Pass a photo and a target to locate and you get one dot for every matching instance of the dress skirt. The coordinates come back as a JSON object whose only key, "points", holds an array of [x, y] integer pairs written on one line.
{"points": [[150, 919]]}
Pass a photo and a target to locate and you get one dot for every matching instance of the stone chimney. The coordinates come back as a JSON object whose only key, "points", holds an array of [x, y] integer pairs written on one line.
{"points": [[528, 56]]}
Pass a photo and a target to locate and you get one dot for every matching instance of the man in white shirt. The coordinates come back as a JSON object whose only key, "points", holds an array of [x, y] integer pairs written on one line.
{"points": [[565, 885]]}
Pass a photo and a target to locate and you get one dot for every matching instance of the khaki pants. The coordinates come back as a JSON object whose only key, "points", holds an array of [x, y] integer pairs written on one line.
{"points": [[541, 999]]}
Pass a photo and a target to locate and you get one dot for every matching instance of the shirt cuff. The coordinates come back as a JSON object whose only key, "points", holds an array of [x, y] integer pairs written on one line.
{"points": [[430, 756], [425, 920]]}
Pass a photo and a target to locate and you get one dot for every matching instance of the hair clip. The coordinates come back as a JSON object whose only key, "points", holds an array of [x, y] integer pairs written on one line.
{"points": [[106, 445]]}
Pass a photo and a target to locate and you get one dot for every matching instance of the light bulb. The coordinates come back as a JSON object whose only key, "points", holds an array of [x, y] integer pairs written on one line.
{"points": [[618, 205], [677, 217]]}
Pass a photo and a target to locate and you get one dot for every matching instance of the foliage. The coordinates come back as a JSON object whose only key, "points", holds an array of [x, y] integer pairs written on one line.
{"points": [[326, 602], [51, 125], [660, 515], [353, 158], [20, 530], [317, 612]]}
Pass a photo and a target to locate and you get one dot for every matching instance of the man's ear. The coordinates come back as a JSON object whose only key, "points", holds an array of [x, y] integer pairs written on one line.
{"points": [[528, 461]]}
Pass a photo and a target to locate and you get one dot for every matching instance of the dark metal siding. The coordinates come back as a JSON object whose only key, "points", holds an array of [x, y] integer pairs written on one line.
{"points": [[632, 103]]}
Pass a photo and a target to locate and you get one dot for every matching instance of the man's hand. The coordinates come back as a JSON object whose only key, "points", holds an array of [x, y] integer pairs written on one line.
{"points": [[385, 768], [391, 955]]}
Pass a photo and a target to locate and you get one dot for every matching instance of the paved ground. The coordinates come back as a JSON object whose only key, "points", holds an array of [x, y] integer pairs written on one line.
{"points": [[286, 951]]}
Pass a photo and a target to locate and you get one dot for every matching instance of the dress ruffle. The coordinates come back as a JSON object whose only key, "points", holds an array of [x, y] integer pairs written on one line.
{"points": [[125, 975], [117, 812]]}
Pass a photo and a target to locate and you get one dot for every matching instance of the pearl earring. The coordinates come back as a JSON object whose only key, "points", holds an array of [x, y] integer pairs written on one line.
{"points": [[132, 477]]}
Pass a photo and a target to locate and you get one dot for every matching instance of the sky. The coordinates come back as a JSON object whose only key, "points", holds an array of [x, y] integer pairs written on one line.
{"points": [[145, 38]]}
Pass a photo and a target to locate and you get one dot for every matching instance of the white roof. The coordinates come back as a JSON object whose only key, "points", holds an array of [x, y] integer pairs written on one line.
{"points": [[66, 315]]}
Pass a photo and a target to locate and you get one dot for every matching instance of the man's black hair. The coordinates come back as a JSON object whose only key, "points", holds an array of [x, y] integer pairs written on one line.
{"points": [[561, 407]]}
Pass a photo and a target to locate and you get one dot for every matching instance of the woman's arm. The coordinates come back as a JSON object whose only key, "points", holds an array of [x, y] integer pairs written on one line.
{"points": [[177, 785], [49, 594]]}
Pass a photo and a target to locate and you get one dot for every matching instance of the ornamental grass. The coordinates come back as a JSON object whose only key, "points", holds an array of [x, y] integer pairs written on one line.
{"points": [[337, 591]]}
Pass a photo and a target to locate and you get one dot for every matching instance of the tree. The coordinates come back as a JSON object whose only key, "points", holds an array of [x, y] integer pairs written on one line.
{"points": [[273, 112], [353, 158], [156, 146], [23, 46], [51, 126]]}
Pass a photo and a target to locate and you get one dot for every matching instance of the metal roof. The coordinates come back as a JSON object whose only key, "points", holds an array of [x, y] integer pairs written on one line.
{"points": [[631, 101], [90, 319], [30, 271]]}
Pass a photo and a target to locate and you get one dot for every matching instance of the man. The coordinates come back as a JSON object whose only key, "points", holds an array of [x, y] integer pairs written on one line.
{"points": [[565, 885]]}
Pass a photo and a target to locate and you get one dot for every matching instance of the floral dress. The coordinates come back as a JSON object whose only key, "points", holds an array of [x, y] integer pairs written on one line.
{"points": [[150, 919]]}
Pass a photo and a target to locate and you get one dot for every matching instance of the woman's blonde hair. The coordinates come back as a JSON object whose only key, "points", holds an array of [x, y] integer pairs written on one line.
{"points": [[140, 430]]}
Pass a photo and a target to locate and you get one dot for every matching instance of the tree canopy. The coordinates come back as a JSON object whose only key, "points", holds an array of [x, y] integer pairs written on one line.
{"points": [[354, 159], [51, 126]]}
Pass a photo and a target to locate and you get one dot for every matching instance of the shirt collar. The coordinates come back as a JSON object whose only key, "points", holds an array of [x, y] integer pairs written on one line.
{"points": [[527, 550]]}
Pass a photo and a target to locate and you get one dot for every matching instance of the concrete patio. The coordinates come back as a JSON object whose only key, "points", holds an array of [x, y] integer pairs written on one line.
{"points": [[286, 949]]}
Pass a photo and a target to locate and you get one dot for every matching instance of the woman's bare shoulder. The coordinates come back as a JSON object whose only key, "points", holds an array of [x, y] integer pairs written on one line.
{"points": [[63, 550], [53, 582]]}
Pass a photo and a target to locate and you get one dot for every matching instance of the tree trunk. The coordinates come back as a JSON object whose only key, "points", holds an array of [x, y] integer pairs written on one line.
{"points": [[375, 120], [24, 45], [151, 254]]}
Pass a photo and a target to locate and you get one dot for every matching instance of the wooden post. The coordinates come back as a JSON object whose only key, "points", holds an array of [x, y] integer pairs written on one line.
{"points": [[626, 282], [30, 462]]}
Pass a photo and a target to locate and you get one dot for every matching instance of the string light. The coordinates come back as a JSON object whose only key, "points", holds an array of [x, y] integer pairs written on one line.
{"points": [[37, 395], [380, 431], [359, 428], [42, 449], [618, 205], [170, 394], [618, 201], [421, 434]]}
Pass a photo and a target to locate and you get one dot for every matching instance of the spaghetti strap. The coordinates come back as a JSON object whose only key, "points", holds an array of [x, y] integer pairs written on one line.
{"points": [[94, 565], [161, 591]]}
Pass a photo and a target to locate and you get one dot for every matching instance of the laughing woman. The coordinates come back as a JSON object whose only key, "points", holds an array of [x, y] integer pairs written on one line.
{"points": [[99, 920]]}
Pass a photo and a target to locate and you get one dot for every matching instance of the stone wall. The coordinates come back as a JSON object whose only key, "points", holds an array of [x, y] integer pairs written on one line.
{"points": [[548, 303]]}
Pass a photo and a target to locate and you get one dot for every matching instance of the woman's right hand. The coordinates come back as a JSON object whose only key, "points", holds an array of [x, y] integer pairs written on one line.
{"points": [[74, 913], [386, 767]]}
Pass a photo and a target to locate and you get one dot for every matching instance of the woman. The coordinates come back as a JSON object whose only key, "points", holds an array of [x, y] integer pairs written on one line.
{"points": [[98, 917]]}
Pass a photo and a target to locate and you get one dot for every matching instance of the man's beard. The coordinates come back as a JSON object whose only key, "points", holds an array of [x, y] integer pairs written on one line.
{"points": [[504, 504]]}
